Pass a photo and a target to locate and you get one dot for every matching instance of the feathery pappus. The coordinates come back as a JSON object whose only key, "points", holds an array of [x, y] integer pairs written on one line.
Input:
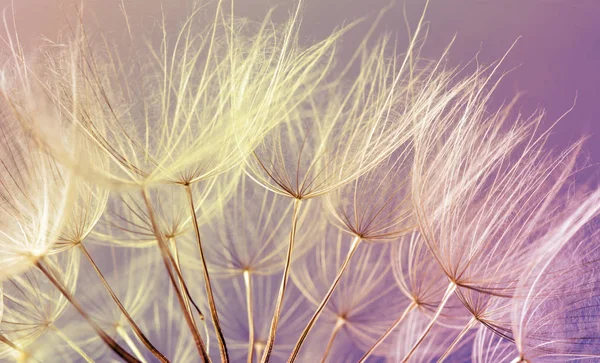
{"points": [[227, 191]]}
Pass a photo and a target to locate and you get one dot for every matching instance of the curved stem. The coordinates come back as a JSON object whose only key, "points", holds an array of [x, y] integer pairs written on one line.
{"points": [[462, 333], [211, 299], [336, 329], [186, 299], [449, 291], [166, 256], [101, 333], [355, 243], [71, 344], [248, 284], [136, 329], [284, 280], [388, 331]]}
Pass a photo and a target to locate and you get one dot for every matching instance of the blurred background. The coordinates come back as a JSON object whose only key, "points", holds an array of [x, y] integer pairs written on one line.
{"points": [[555, 61]]}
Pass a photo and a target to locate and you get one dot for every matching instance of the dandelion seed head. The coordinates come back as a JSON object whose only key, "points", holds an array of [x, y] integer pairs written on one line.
{"points": [[249, 233], [186, 171], [366, 298], [317, 150], [35, 195], [376, 206], [32, 306]]}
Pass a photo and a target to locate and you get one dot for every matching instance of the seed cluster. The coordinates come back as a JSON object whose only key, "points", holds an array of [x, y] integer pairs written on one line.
{"points": [[227, 193]]}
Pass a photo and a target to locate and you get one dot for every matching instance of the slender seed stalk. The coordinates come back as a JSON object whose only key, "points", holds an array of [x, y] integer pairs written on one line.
{"points": [[389, 331], [101, 333], [167, 257], [123, 334], [71, 344], [209, 292], [186, 299], [462, 333], [186, 296], [339, 324], [354, 246], [449, 291], [136, 329], [284, 280], [248, 284]]}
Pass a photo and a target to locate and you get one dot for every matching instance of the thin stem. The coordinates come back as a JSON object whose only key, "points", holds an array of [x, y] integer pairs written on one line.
{"points": [[449, 291], [211, 299], [72, 344], [123, 334], [353, 247], [166, 256], [186, 296], [462, 333], [101, 333], [336, 329], [388, 331], [248, 284], [284, 280], [132, 323], [173, 244]]}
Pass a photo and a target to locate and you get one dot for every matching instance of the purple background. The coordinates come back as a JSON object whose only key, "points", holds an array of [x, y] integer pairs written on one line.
{"points": [[557, 56]]}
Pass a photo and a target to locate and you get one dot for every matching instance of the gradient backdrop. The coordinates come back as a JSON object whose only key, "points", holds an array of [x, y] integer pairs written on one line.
{"points": [[557, 56]]}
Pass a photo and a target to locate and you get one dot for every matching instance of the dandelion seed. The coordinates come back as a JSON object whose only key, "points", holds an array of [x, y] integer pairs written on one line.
{"points": [[374, 208], [247, 334], [325, 145], [492, 189], [553, 314], [364, 303], [250, 233], [490, 347], [448, 232], [423, 283], [32, 306], [437, 341], [35, 198], [122, 297]]}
